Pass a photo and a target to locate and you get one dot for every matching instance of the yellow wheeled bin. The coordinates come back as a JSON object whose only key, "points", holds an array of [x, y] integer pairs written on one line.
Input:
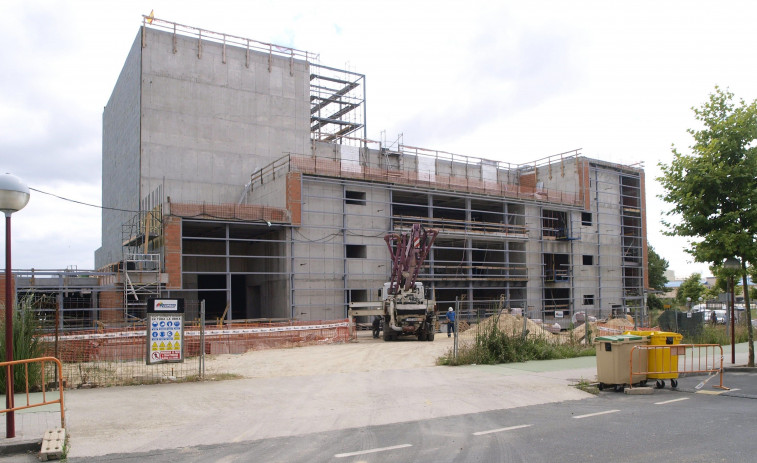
{"points": [[663, 361], [614, 360]]}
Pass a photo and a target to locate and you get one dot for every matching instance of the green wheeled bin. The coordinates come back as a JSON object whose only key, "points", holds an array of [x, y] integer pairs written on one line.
{"points": [[614, 361], [663, 361]]}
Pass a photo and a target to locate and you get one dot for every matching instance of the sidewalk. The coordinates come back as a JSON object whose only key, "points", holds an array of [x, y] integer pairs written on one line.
{"points": [[30, 423], [168, 416]]}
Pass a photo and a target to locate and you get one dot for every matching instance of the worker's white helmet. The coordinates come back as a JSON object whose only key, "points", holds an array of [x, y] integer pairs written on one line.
{"points": [[449, 310]]}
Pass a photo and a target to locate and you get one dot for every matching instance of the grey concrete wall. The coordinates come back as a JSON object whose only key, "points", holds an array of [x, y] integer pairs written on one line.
{"points": [[120, 156], [607, 217], [321, 269], [534, 259], [560, 176], [272, 193], [207, 125], [366, 225], [319, 253]]}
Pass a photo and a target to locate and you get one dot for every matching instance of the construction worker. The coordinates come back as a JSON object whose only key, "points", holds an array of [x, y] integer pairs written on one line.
{"points": [[450, 321], [376, 326]]}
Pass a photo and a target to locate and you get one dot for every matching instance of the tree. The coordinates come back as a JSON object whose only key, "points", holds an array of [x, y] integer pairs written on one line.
{"points": [[654, 302], [691, 287], [714, 190], [656, 268]]}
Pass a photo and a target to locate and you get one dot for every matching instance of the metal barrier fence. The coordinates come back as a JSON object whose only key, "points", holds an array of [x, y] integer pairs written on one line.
{"points": [[43, 388], [669, 361], [117, 356]]}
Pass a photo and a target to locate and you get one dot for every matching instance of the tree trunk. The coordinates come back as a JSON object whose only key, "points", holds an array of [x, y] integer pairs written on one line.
{"points": [[750, 336]]}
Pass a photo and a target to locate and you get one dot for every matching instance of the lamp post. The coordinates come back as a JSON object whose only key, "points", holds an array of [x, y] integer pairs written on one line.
{"points": [[732, 264], [14, 195]]}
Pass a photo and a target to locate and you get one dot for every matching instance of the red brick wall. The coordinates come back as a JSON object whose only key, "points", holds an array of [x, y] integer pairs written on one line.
{"points": [[294, 197], [645, 251], [111, 300], [172, 243]]}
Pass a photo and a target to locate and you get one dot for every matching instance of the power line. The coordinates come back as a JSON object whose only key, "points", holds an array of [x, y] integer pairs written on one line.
{"points": [[83, 203]]}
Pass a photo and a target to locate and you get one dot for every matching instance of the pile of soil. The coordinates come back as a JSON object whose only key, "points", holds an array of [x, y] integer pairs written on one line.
{"points": [[508, 324]]}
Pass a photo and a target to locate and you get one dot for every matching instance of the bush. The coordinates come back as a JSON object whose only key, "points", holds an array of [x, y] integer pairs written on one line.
{"points": [[493, 346], [25, 346]]}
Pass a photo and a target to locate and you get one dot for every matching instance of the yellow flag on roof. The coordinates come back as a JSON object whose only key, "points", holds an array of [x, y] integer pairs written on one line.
{"points": [[151, 17]]}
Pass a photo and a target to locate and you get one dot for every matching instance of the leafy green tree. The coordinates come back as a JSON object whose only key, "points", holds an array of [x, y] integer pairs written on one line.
{"points": [[654, 302], [721, 281], [691, 287], [656, 268], [713, 190]]}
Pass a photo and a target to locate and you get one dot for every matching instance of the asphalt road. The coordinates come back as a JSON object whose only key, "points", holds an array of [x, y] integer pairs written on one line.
{"points": [[688, 424]]}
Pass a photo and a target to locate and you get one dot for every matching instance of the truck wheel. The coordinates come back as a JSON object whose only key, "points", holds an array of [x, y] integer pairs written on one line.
{"points": [[387, 334], [422, 336], [430, 336]]}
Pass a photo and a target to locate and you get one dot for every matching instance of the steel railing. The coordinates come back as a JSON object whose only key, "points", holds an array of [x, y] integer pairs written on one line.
{"points": [[8, 366], [673, 360]]}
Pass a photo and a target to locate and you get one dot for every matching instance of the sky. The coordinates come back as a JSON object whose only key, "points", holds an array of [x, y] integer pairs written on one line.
{"points": [[508, 80]]}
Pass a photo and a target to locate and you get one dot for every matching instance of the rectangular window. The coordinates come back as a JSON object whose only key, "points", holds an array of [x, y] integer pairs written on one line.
{"points": [[588, 259], [356, 251], [555, 224], [355, 197], [358, 295], [586, 219], [588, 299]]}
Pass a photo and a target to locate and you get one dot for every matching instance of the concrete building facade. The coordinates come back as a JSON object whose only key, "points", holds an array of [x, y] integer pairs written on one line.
{"points": [[252, 186]]}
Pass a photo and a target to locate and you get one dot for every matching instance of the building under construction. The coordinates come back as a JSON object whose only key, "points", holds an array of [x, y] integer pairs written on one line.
{"points": [[239, 173]]}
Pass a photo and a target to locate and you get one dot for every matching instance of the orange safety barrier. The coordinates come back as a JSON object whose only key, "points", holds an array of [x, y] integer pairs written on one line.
{"points": [[8, 371], [668, 361]]}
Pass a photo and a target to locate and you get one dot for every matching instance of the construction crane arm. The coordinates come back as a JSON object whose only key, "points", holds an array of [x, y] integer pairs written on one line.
{"points": [[408, 251]]}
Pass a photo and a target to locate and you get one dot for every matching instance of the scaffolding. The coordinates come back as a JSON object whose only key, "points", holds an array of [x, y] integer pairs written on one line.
{"points": [[140, 268], [337, 104]]}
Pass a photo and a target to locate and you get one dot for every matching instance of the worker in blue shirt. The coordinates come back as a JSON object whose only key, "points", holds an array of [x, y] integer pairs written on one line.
{"points": [[450, 321]]}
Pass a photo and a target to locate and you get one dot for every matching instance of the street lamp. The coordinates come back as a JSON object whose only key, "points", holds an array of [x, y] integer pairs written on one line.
{"points": [[14, 195], [732, 264]]}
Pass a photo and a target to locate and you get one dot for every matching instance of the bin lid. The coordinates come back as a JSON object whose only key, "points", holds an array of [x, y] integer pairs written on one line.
{"points": [[665, 337], [619, 338], [666, 334], [640, 333]]}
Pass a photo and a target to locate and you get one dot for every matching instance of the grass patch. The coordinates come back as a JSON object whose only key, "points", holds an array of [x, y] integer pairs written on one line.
{"points": [[223, 377], [717, 334], [493, 346], [25, 346], [586, 386]]}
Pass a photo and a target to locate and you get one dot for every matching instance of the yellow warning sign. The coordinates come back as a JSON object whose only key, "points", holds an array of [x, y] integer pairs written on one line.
{"points": [[176, 335], [154, 346], [176, 345], [162, 346]]}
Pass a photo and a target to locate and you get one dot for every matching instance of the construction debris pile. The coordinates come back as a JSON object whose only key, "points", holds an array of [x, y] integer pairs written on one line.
{"points": [[514, 325]]}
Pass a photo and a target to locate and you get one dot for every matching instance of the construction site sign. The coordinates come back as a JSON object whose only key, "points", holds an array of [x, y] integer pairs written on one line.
{"points": [[165, 331]]}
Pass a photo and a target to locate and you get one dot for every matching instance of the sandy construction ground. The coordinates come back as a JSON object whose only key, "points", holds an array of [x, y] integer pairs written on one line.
{"points": [[364, 354]]}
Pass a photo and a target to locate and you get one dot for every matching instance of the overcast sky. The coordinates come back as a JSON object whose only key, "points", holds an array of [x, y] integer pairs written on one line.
{"points": [[510, 80]]}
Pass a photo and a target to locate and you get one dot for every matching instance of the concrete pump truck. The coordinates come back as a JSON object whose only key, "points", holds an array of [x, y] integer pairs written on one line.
{"points": [[406, 309]]}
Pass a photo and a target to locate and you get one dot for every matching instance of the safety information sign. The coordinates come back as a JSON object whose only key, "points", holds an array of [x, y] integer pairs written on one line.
{"points": [[165, 338]]}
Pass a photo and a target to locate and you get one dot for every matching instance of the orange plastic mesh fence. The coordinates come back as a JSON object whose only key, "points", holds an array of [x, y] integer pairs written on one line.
{"points": [[116, 356]]}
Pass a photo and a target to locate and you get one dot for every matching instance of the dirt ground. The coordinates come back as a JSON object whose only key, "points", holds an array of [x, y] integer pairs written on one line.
{"points": [[367, 353], [364, 354]]}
